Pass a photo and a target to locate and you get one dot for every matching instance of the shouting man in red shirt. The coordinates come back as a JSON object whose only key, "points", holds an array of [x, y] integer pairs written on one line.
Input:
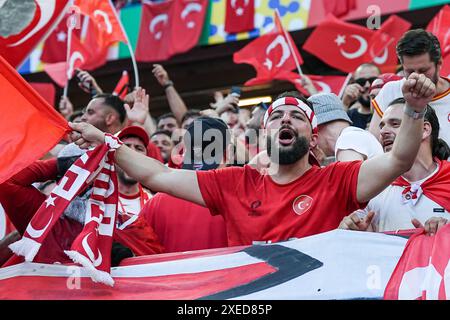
{"points": [[296, 199]]}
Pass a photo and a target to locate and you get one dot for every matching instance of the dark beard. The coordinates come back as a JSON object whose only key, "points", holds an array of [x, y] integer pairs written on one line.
{"points": [[364, 102], [288, 155]]}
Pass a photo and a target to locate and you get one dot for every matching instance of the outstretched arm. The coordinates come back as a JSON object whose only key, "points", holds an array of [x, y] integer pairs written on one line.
{"points": [[176, 104], [379, 172], [149, 172]]}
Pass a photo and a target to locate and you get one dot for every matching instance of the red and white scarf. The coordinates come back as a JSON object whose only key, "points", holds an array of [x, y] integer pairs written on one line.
{"points": [[92, 247]]}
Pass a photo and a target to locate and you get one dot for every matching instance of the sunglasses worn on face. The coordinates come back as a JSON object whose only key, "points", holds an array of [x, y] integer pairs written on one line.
{"points": [[362, 81]]}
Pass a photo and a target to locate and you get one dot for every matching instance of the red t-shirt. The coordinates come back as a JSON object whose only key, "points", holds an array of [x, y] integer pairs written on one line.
{"points": [[255, 208], [182, 225]]}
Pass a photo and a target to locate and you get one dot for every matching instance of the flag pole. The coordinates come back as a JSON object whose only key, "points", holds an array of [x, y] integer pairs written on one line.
{"points": [[347, 80], [130, 49], [289, 44], [70, 27]]}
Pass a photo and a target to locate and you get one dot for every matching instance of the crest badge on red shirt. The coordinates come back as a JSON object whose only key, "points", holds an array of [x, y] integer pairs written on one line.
{"points": [[302, 204]]}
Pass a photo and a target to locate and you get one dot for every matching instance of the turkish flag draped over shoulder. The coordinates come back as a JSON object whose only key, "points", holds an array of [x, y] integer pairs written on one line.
{"points": [[60, 72], [341, 45], [382, 45], [27, 137], [270, 55], [168, 28], [25, 24], [440, 27], [422, 272], [240, 16]]}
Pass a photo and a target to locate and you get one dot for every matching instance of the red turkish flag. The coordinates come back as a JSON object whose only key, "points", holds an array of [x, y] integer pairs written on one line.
{"points": [[382, 45], [60, 72], [46, 90], [19, 37], [55, 47], [440, 27], [97, 53], [422, 271], [30, 126], [240, 16], [154, 42], [341, 45], [103, 15], [323, 84], [189, 16], [270, 55]]}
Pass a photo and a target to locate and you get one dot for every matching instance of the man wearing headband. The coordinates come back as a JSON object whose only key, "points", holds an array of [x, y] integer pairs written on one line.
{"points": [[296, 198]]}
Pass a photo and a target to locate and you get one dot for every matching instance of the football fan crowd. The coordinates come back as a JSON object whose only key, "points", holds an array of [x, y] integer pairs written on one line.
{"points": [[372, 160]]}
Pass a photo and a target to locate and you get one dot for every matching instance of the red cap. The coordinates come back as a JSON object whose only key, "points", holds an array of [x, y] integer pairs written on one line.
{"points": [[136, 132]]}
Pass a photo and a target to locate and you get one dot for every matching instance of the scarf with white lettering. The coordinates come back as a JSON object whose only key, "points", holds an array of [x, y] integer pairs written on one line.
{"points": [[436, 188], [92, 247]]}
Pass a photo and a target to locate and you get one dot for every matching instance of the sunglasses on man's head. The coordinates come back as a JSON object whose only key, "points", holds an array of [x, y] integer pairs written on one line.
{"points": [[362, 81]]}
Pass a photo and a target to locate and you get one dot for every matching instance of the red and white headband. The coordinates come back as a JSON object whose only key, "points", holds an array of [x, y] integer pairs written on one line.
{"points": [[291, 101]]}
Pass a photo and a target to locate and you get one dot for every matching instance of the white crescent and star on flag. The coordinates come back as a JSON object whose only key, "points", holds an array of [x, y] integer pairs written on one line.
{"points": [[159, 19], [191, 7], [286, 53], [363, 46], [239, 10], [103, 15]]}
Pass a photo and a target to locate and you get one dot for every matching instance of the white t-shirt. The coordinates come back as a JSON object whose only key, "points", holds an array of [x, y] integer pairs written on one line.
{"points": [[129, 208], [393, 212], [359, 140], [441, 105]]}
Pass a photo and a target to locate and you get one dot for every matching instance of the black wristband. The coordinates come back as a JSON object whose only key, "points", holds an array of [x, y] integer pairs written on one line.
{"points": [[168, 84]]}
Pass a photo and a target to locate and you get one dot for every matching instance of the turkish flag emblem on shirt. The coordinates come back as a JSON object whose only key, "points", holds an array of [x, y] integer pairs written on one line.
{"points": [[25, 24], [270, 55], [168, 28], [341, 45], [240, 16]]}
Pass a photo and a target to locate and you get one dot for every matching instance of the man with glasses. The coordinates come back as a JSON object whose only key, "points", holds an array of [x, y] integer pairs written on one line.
{"points": [[356, 95]]}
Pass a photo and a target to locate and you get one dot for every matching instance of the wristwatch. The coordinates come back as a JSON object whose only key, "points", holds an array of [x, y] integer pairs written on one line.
{"points": [[168, 84], [413, 113]]}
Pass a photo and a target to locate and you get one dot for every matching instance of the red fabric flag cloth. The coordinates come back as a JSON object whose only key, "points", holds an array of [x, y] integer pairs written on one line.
{"points": [[60, 72], [440, 27], [46, 90], [155, 32], [422, 272], [189, 16], [92, 247], [382, 45], [121, 88], [103, 15], [30, 126], [55, 47], [20, 36], [239, 16], [270, 55], [323, 84], [341, 45], [338, 8], [168, 28]]}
